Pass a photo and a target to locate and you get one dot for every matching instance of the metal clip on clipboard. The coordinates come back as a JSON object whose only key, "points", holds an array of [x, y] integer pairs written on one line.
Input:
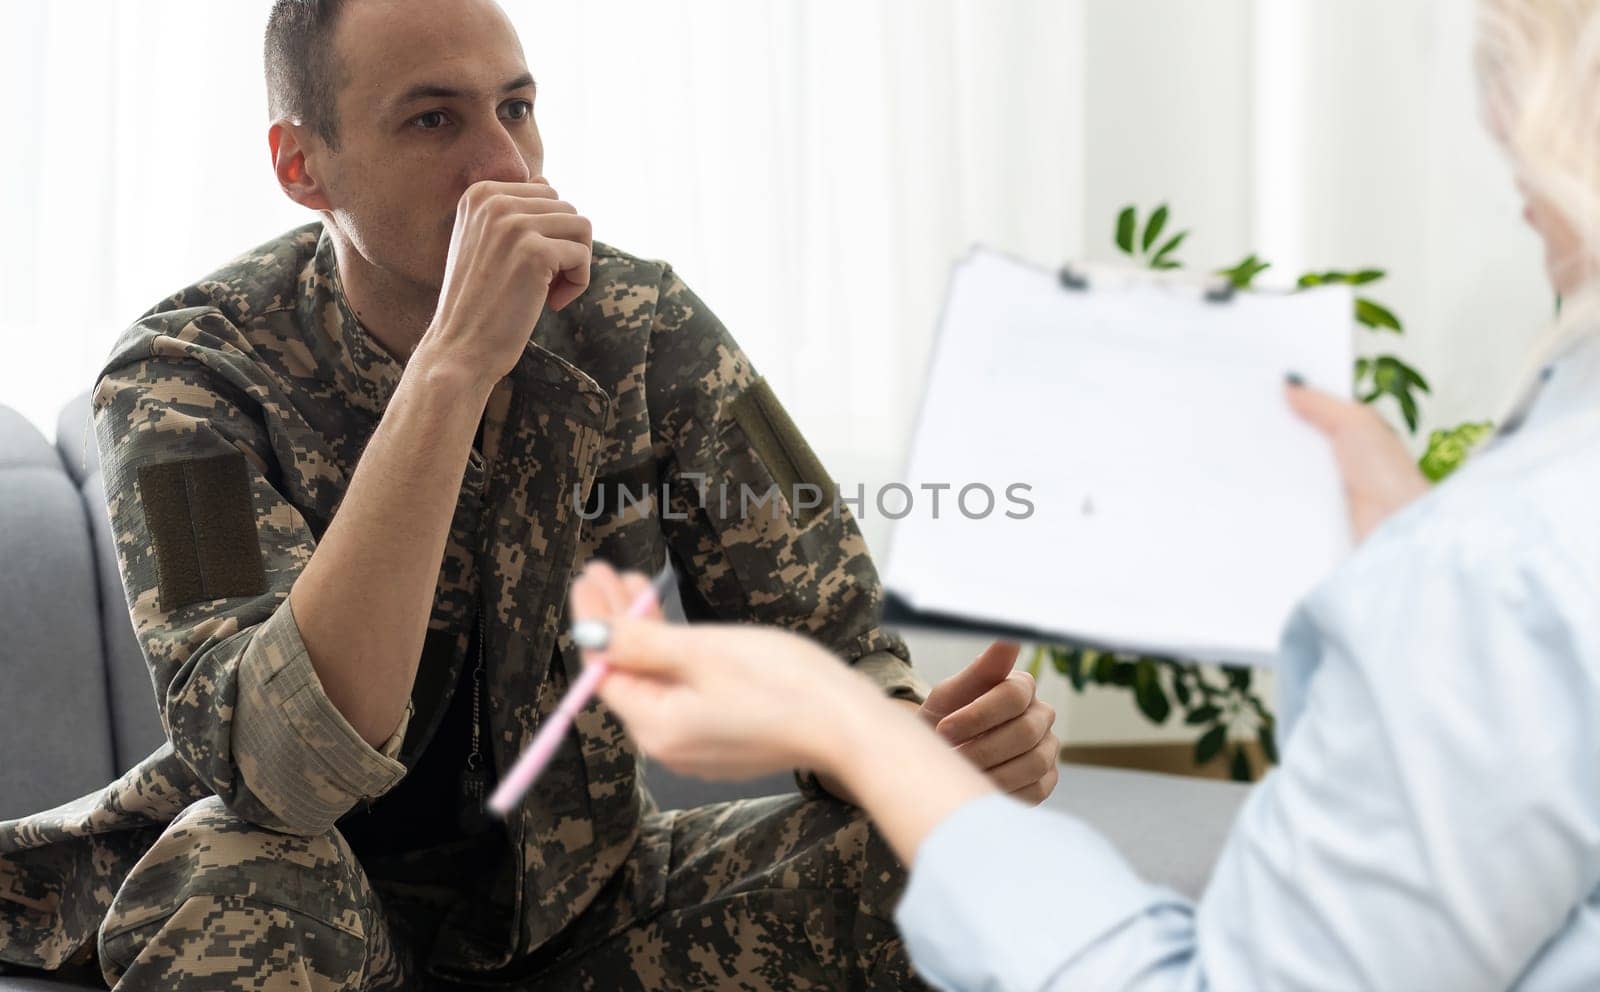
{"points": [[1083, 276]]}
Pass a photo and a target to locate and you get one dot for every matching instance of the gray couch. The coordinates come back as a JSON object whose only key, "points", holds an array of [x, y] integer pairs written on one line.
{"points": [[80, 708]]}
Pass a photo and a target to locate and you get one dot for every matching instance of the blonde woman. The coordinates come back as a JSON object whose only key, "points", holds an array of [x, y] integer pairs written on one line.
{"points": [[1435, 822]]}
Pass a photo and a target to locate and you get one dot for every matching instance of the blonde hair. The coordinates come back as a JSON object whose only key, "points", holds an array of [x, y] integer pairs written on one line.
{"points": [[1538, 65], [1539, 73]]}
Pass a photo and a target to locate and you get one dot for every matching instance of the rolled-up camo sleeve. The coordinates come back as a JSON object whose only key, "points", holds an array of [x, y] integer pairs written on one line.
{"points": [[208, 548]]}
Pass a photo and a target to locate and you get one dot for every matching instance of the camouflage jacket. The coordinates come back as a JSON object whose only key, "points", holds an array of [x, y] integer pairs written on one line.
{"points": [[230, 419]]}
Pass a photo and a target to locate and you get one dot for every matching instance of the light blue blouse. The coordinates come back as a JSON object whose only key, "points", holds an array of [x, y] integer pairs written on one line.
{"points": [[1435, 821]]}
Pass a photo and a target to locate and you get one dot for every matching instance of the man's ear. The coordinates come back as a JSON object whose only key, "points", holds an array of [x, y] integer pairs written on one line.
{"points": [[289, 162]]}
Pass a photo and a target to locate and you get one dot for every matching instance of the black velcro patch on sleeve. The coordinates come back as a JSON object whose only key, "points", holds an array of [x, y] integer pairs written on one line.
{"points": [[203, 526]]}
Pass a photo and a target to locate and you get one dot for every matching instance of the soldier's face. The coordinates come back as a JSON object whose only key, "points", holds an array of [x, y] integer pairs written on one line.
{"points": [[433, 96]]}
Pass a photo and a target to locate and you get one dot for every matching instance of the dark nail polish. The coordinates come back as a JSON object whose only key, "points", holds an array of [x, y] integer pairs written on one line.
{"points": [[1294, 379]]}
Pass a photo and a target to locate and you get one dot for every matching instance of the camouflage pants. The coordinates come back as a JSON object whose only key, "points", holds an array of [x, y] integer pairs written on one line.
{"points": [[780, 893]]}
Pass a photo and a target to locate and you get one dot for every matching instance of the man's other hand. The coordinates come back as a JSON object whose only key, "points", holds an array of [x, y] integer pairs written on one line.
{"points": [[991, 714]]}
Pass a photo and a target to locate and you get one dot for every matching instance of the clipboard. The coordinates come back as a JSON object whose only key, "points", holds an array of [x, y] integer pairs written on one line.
{"points": [[1178, 507]]}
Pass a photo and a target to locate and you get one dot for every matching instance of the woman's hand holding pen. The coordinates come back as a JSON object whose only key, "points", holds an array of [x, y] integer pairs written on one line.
{"points": [[717, 701], [734, 701]]}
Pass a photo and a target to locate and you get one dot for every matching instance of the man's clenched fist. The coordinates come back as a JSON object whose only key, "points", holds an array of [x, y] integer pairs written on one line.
{"points": [[515, 249]]}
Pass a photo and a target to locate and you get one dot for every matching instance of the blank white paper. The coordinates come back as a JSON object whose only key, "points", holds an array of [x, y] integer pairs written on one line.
{"points": [[1178, 505]]}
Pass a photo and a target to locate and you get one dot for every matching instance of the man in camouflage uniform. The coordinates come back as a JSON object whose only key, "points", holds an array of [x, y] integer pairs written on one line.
{"points": [[353, 607]]}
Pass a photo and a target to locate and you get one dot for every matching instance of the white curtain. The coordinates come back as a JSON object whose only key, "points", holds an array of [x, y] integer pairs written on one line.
{"points": [[136, 164], [1371, 152], [812, 168]]}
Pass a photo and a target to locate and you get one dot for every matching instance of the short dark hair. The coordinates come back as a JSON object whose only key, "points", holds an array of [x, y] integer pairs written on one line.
{"points": [[303, 73]]}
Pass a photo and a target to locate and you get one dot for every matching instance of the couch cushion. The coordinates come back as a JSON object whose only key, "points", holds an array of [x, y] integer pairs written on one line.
{"points": [[55, 733], [21, 444], [135, 720], [75, 439]]}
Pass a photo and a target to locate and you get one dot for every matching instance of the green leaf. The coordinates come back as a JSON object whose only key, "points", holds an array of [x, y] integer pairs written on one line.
{"points": [[1447, 449], [1147, 692], [1245, 272], [1239, 768], [1210, 744], [1122, 673], [1239, 266], [1365, 276], [1069, 662], [1165, 264], [1267, 734], [1392, 377], [1376, 316], [1126, 222], [1168, 248], [1386, 375], [1238, 676], [1103, 667], [1152, 230], [1036, 660], [1180, 688], [1308, 280], [1144, 673], [1058, 659], [1202, 714], [1408, 410]]}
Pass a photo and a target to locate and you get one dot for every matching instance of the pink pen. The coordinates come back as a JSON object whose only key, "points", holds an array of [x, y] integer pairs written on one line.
{"points": [[533, 761]]}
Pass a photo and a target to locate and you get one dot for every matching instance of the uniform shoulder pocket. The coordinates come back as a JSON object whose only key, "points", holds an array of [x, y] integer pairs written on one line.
{"points": [[779, 444]]}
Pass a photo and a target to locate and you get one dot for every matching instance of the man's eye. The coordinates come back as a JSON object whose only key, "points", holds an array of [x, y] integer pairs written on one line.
{"points": [[518, 110], [430, 121]]}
